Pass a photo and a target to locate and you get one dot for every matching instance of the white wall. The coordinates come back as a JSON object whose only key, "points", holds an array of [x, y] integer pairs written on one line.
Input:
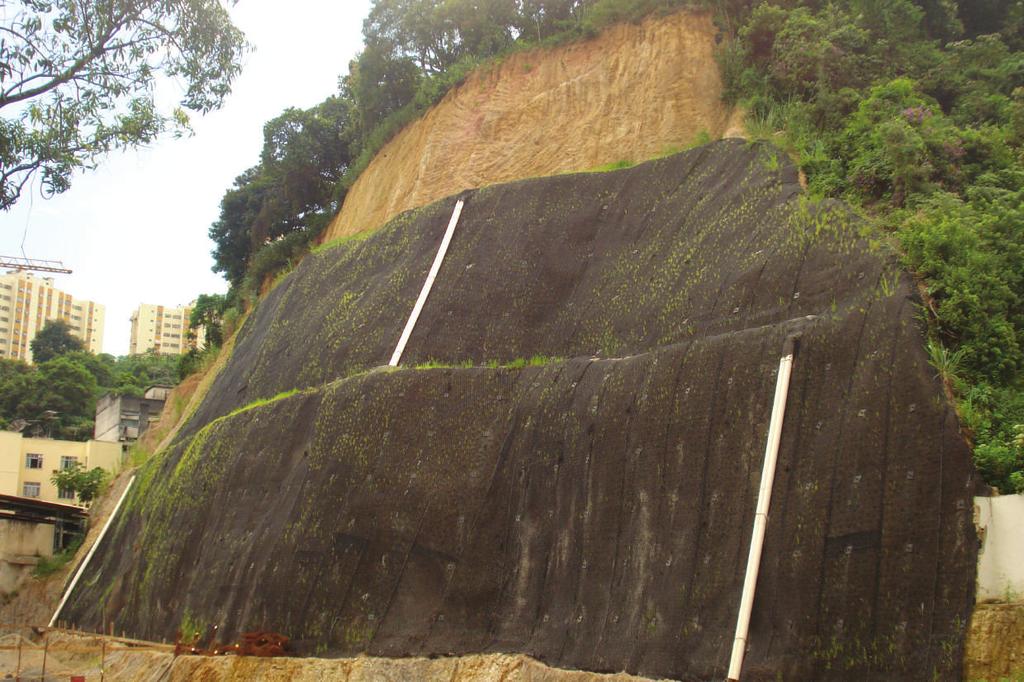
{"points": [[1000, 522]]}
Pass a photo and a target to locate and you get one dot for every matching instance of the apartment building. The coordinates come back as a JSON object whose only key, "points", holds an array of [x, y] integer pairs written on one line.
{"points": [[27, 464], [27, 302], [163, 330]]}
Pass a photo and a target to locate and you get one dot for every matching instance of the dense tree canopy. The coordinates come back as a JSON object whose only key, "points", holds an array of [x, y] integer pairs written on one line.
{"points": [[55, 338], [305, 153], [914, 110], [57, 397], [208, 313], [77, 77]]}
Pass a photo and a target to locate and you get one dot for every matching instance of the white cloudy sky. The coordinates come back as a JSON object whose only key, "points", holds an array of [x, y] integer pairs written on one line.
{"points": [[135, 230]]}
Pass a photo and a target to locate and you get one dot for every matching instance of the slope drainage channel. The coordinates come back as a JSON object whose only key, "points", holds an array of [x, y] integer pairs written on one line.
{"points": [[427, 285], [764, 498]]}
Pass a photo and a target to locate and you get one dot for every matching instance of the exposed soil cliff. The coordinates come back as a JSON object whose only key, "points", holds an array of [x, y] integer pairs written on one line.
{"points": [[631, 93], [995, 649], [593, 512]]}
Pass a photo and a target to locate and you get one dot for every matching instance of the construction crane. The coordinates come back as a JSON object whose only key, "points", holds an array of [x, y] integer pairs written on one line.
{"points": [[34, 264]]}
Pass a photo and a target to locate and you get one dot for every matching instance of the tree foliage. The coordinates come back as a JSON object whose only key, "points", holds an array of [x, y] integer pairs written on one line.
{"points": [[915, 111], [77, 79], [305, 153], [57, 398], [60, 399], [208, 313], [53, 340], [86, 484]]}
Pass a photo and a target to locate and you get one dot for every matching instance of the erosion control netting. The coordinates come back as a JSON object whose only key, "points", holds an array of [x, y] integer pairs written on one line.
{"points": [[595, 511]]}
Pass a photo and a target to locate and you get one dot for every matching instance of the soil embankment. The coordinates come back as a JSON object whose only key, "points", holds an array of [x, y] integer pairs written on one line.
{"points": [[631, 93], [69, 654], [593, 511], [995, 648]]}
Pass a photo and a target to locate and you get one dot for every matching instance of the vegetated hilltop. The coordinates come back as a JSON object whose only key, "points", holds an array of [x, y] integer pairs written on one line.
{"points": [[629, 94], [590, 506], [910, 110], [914, 111]]}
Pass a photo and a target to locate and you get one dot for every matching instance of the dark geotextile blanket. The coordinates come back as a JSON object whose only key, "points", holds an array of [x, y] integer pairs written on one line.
{"points": [[593, 511]]}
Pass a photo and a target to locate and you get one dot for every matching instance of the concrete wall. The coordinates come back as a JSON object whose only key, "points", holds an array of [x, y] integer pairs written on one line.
{"points": [[21, 545], [127, 417], [1000, 523], [107, 456], [158, 393], [10, 463], [108, 418]]}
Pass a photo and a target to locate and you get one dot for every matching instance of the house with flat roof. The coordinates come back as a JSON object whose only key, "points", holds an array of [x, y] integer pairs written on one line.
{"points": [[124, 418]]}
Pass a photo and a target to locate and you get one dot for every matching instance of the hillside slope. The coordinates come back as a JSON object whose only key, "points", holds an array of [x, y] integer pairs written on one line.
{"points": [[594, 511], [630, 93]]}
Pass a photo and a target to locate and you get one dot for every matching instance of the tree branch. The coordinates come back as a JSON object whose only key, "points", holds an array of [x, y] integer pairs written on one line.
{"points": [[92, 53]]}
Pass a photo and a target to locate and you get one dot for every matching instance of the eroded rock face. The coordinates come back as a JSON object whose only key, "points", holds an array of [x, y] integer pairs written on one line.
{"points": [[593, 511], [631, 93], [995, 644]]}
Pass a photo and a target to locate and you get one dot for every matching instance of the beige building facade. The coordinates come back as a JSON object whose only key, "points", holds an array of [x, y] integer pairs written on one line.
{"points": [[163, 330], [26, 464], [28, 302]]}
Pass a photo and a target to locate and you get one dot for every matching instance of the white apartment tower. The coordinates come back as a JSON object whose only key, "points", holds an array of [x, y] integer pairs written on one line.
{"points": [[162, 330], [27, 303]]}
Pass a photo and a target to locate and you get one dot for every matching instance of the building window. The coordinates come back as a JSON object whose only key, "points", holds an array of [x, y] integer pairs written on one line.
{"points": [[33, 461], [68, 462], [65, 494], [30, 489]]}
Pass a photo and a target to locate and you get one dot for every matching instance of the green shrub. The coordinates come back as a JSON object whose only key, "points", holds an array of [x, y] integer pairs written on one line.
{"points": [[1002, 465], [276, 258], [196, 361], [49, 565], [878, 103]]}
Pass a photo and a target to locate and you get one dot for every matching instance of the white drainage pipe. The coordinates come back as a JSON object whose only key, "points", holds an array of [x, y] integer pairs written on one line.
{"points": [[411, 324], [92, 550], [764, 498]]}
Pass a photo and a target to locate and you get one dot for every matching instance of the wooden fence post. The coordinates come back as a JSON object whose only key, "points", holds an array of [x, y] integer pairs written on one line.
{"points": [[46, 646]]}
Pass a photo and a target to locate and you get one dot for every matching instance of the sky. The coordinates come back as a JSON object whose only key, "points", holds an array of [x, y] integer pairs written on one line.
{"points": [[135, 229]]}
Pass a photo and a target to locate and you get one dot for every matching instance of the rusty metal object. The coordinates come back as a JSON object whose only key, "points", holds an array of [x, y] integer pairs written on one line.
{"points": [[259, 643], [262, 643]]}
